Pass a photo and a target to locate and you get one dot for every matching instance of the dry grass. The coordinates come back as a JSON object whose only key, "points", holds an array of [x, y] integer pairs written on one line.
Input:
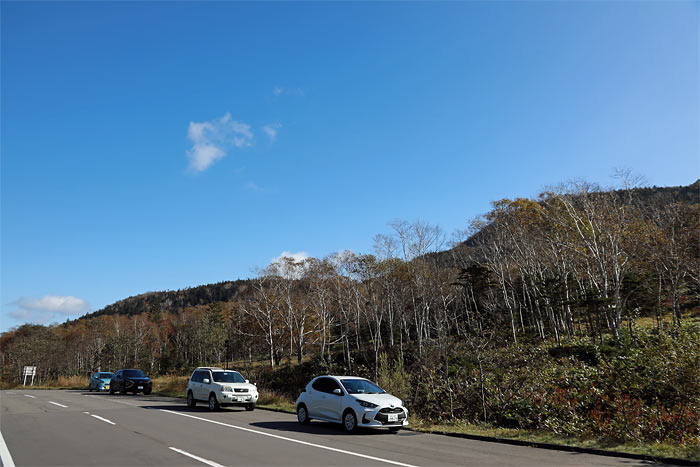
{"points": [[274, 400], [170, 385], [73, 382]]}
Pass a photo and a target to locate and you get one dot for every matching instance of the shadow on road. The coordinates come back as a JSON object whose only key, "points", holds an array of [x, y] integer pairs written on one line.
{"points": [[196, 410], [320, 428]]}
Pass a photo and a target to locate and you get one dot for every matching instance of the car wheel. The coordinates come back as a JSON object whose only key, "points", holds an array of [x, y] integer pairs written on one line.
{"points": [[90, 389], [213, 403], [349, 421], [111, 390], [191, 402], [394, 429], [302, 414], [250, 407]]}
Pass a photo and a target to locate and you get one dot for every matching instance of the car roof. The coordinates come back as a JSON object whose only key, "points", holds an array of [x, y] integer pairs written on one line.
{"points": [[343, 377]]}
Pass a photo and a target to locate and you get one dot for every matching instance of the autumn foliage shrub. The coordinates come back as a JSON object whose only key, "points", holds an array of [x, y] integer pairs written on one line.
{"points": [[643, 387]]}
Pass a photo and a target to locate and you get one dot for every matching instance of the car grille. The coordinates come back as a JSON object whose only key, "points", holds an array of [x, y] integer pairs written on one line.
{"points": [[240, 390], [383, 416]]}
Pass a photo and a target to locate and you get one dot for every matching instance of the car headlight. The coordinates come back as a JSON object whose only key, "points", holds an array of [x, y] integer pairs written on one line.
{"points": [[227, 389], [369, 405]]}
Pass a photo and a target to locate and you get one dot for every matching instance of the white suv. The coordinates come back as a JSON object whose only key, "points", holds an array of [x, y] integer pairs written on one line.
{"points": [[351, 401], [220, 388]]}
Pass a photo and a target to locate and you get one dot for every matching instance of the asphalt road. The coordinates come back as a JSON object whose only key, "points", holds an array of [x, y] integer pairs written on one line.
{"points": [[80, 428]]}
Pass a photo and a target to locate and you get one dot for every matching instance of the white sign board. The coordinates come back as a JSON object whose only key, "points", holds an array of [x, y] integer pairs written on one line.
{"points": [[29, 371]]}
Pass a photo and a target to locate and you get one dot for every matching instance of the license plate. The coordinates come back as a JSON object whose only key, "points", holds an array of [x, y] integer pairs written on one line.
{"points": [[234, 398], [140, 387], [107, 387], [393, 417]]}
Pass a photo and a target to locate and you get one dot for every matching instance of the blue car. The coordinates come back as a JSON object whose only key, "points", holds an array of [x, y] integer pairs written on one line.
{"points": [[100, 381]]}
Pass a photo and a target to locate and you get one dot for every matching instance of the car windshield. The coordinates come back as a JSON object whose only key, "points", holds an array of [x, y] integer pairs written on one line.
{"points": [[228, 377], [103, 375], [361, 386], [134, 374]]}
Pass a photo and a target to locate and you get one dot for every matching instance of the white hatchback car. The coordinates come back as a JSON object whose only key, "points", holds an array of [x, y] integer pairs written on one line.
{"points": [[220, 388], [352, 401]]}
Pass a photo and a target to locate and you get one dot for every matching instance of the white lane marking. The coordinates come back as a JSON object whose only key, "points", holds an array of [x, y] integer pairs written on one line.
{"points": [[291, 439], [60, 405], [204, 461], [100, 418], [27, 395], [5, 456]]}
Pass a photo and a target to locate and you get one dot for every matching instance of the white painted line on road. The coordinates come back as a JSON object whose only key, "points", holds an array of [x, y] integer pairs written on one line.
{"points": [[100, 418], [291, 439], [204, 461], [5, 456], [27, 395], [60, 405]]}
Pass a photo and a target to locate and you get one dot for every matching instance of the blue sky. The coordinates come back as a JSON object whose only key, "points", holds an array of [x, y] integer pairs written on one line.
{"points": [[157, 146]]}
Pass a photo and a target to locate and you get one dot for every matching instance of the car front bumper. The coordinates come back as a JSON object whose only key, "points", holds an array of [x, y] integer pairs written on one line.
{"points": [[233, 398], [383, 417]]}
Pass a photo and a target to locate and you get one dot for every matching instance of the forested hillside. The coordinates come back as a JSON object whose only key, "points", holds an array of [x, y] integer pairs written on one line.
{"points": [[172, 301], [575, 312]]}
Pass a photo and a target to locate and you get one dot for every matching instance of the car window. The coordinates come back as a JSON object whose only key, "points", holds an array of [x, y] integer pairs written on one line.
{"points": [[326, 385], [333, 385], [228, 377], [320, 385], [103, 375], [361, 386], [134, 373]]}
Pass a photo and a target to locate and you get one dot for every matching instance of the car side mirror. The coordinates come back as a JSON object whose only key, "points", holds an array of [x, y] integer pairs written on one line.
{"points": [[337, 392], [205, 380], [247, 381]]}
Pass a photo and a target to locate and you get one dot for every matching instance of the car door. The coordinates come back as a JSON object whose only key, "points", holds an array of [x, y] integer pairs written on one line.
{"points": [[331, 403], [205, 388], [317, 394], [114, 383], [197, 385]]}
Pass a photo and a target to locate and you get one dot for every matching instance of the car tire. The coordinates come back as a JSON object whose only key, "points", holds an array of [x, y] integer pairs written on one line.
{"points": [[90, 389], [349, 421], [191, 402], [250, 407], [213, 403], [122, 391], [302, 414], [111, 390]]}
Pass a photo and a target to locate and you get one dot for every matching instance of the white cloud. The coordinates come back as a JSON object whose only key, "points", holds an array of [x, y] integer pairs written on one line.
{"points": [[290, 265], [212, 139], [271, 130], [49, 308], [277, 90]]}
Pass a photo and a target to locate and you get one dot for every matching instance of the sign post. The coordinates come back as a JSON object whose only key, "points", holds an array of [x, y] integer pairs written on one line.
{"points": [[29, 371]]}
